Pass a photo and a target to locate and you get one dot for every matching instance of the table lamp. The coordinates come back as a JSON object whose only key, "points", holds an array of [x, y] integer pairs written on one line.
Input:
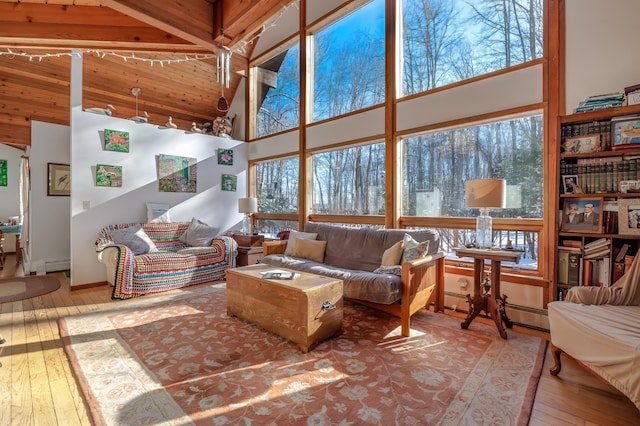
{"points": [[247, 206], [485, 194]]}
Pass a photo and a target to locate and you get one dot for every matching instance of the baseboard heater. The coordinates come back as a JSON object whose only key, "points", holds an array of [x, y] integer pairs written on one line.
{"points": [[57, 265], [525, 316]]}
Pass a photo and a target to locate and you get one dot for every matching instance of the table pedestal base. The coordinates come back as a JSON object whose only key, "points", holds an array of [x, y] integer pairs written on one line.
{"points": [[494, 307]]}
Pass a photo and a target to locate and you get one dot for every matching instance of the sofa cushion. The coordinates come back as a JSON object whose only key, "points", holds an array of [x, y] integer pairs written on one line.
{"points": [[293, 236], [362, 248], [360, 285], [392, 255], [198, 234], [135, 238], [413, 249], [309, 249]]}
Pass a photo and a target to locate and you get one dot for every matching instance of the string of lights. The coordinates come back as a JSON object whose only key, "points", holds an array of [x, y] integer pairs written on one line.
{"points": [[241, 48]]}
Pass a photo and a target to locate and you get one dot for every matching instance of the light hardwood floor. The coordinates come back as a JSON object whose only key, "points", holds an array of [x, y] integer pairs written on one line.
{"points": [[37, 386]]}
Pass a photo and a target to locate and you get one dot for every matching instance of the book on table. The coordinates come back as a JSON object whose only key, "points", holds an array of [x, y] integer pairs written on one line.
{"points": [[278, 274]]}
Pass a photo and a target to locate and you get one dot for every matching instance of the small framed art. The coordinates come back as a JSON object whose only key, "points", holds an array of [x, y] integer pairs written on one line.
{"points": [[629, 216], [225, 157], [108, 175], [229, 182], [582, 214], [571, 184], [59, 179], [625, 132], [582, 144], [116, 140]]}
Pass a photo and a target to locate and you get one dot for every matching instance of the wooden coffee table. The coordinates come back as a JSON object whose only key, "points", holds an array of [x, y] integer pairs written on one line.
{"points": [[306, 309]]}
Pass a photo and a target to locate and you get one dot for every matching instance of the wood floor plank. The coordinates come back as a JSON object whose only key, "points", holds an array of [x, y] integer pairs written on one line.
{"points": [[6, 313], [35, 362], [21, 405]]}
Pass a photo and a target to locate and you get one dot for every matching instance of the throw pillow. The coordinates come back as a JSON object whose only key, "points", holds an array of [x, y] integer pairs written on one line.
{"points": [[392, 255], [309, 249], [293, 236], [198, 234], [135, 238], [413, 249], [395, 270]]}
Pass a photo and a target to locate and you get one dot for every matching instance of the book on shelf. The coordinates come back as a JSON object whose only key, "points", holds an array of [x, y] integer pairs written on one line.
{"points": [[618, 271], [630, 89], [572, 243], [587, 273], [628, 260], [621, 253], [574, 268], [598, 254], [563, 267], [603, 268], [596, 243]]}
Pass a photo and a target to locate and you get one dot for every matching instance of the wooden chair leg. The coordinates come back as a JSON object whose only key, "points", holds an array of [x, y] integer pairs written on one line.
{"points": [[555, 352]]}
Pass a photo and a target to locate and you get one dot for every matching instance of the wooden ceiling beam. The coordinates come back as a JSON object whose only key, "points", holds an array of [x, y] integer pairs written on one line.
{"points": [[191, 20], [80, 27], [242, 20], [15, 134]]}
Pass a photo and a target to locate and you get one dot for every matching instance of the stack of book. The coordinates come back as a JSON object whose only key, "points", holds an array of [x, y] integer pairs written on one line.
{"points": [[597, 249], [633, 94], [608, 100], [569, 262]]}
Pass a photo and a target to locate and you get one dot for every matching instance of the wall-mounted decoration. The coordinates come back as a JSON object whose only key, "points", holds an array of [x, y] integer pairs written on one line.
{"points": [[3, 173], [225, 156], [59, 179], [229, 182], [177, 174], [116, 140], [108, 175]]}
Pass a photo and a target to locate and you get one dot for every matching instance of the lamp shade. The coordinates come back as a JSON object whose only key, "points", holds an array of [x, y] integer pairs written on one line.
{"points": [[486, 194], [247, 205]]}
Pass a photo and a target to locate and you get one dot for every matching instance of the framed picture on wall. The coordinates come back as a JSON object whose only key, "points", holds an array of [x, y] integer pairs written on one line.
{"points": [[116, 140], [59, 179], [3, 173], [107, 175], [225, 157], [229, 182]]}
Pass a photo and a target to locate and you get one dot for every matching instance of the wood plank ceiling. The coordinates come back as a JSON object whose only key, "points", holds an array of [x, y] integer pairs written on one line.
{"points": [[125, 44]]}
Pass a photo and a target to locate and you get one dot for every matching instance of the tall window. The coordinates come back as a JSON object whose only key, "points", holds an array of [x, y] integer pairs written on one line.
{"points": [[277, 185], [277, 93], [437, 165], [446, 41], [349, 63], [349, 181]]}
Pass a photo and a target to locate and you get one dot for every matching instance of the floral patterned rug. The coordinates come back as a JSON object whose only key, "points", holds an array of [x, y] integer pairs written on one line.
{"points": [[178, 359]]}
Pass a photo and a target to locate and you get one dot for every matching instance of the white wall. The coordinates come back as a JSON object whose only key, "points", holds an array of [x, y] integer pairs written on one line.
{"points": [[49, 216], [10, 194], [110, 205], [602, 52]]}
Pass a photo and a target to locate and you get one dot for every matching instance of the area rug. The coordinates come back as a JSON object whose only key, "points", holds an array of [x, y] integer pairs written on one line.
{"points": [[20, 288], [179, 359]]}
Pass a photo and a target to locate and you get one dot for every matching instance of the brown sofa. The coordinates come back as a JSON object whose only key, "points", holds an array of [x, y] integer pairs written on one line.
{"points": [[352, 254]]}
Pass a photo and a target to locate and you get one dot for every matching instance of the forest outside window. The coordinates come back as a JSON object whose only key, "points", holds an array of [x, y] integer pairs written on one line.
{"points": [[276, 84], [448, 41], [349, 181], [349, 60], [435, 167]]}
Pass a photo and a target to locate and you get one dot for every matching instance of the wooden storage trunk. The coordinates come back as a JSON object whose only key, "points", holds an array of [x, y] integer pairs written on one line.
{"points": [[292, 309]]}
